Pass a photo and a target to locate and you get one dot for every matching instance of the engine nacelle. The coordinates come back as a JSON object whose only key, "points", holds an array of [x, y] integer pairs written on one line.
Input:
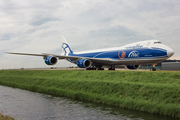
{"points": [[51, 60], [133, 66], [84, 63]]}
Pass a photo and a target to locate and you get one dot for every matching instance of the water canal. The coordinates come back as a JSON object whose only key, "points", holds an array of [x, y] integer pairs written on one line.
{"points": [[26, 105]]}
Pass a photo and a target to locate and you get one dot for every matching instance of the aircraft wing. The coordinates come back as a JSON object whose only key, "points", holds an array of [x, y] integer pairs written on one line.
{"points": [[75, 58], [26, 54]]}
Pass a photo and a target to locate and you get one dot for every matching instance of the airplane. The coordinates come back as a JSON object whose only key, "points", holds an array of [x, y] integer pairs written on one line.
{"points": [[132, 55]]}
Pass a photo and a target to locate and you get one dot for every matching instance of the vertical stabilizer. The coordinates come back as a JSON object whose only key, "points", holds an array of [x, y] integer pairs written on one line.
{"points": [[65, 46]]}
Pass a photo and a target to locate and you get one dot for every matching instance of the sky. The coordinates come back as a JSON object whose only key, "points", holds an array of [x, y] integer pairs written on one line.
{"points": [[35, 26]]}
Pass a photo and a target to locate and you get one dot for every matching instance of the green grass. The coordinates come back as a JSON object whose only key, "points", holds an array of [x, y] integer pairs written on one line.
{"points": [[154, 92]]}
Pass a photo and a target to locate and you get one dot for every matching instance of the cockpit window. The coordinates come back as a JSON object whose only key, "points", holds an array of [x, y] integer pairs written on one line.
{"points": [[157, 42]]}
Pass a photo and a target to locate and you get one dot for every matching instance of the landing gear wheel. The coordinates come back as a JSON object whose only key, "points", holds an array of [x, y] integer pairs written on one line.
{"points": [[88, 68], [152, 69], [100, 68], [112, 68], [91, 68]]}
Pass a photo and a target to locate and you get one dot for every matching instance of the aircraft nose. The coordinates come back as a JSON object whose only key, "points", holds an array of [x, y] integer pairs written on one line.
{"points": [[170, 52]]}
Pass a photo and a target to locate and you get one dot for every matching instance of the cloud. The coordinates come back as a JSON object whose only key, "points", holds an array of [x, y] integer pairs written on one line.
{"points": [[118, 34], [5, 36], [36, 26], [112, 32], [39, 21]]}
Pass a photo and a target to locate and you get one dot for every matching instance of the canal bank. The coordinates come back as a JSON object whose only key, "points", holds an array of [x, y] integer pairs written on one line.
{"points": [[154, 92], [26, 105], [2, 117]]}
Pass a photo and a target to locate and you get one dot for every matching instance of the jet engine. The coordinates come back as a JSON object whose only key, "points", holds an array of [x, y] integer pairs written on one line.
{"points": [[51, 60], [133, 66], [84, 63]]}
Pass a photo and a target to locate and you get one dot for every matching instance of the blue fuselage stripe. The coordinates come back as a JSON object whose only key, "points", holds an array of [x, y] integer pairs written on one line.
{"points": [[127, 54]]}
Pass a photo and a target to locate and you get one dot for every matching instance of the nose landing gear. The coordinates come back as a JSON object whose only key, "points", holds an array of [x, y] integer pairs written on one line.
{"points": [[153, 68]]}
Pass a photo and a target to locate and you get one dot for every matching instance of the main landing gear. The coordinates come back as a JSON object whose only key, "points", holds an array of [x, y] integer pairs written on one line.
{"points": [[153, 68], [112, 67], [95, 68], [100, 68], [91, 68]]}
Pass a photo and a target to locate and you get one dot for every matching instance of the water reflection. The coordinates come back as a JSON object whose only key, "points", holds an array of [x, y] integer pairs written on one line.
{"points": [[25, 105]]}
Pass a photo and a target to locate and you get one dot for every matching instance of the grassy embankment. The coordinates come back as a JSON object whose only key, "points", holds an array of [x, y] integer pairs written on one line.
{"points": [[2, 117], [154, 92]]}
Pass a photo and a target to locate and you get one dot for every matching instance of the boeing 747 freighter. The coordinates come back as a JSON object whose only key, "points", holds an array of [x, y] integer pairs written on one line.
{"points": [[132, 55]]}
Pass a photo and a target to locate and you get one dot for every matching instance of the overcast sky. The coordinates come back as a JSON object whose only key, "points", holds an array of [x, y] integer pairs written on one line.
{"points": [[35, 26]]}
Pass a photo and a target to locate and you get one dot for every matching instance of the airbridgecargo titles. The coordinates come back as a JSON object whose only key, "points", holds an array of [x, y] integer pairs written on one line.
{"points": [[132, 55]]}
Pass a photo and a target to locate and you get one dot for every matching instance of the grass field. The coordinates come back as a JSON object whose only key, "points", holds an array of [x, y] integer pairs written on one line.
{"points": [[154, 92]]}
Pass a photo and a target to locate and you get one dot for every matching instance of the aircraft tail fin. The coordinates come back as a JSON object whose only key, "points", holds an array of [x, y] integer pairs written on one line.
{"points": [[65, 46]]}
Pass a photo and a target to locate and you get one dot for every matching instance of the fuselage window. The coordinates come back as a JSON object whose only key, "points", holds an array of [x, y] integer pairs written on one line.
{"points": [[157, 42]]}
